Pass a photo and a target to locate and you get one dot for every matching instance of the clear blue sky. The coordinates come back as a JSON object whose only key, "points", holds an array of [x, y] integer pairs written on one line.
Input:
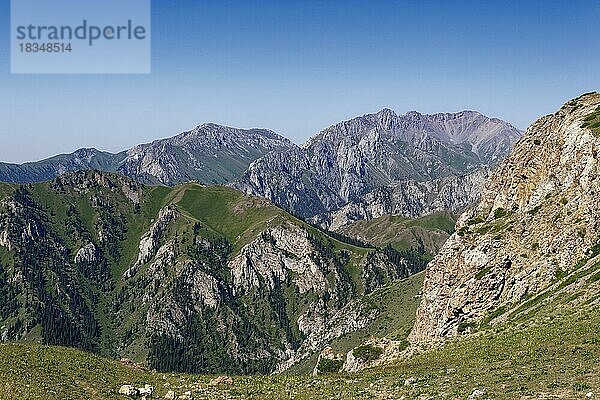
{"points": [[299, 66]]}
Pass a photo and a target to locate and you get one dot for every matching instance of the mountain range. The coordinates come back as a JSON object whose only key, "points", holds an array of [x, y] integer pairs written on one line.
{"points": [[107, 263], [210, 153], [364, 168], [207, 279]]}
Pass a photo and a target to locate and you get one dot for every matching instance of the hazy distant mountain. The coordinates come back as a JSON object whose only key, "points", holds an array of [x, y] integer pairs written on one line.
{"points": [[347, 161], [209, 153], [50, 168]]}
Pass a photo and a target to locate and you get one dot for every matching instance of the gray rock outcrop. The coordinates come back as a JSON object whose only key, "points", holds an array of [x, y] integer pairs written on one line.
{"points": [[400, 162], [538, 220]]}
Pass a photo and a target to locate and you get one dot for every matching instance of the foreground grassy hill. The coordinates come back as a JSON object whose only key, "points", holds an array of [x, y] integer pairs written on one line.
{"points": [[554, 354], [546, 347]]}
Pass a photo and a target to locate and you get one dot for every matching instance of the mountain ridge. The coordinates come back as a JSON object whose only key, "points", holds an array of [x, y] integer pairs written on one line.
{"points": [[210, 134], [98, 261], [347, 160], [217, 154]]}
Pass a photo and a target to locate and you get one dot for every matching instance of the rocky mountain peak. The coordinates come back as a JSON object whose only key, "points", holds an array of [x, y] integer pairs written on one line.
{"points": [[413, 115], [386, 112], [211, 134], [209, 153], [386, 117], [347, 161], [487, 137], [86, 153], [536, 224]]}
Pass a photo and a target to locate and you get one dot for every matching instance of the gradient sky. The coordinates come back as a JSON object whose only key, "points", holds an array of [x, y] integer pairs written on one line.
{"points": [[299, 66]]}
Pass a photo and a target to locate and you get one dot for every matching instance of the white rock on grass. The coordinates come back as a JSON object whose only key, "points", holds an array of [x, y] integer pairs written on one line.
{"points": [[477, 393], [128, 390]]}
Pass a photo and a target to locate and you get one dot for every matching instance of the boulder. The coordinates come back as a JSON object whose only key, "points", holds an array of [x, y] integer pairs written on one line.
{"points": [[128, 390], [170, 395], [410, 381], [146, 391], [222, 380], [186, 396], [328, 361], [373, 352], [477, 393]]}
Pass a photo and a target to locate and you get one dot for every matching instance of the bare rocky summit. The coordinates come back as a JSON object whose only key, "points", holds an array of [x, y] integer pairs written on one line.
{"points": [[382, 163], [209, 153]]}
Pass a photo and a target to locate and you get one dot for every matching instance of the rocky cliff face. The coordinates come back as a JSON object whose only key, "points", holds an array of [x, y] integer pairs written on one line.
{"points": [[402, 161], [209, 153], [533, 235], [410, 198]]}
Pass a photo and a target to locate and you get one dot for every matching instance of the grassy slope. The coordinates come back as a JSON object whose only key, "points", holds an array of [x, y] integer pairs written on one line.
{"points": [[554, 356], [592, 122], [404, 232], [238, 217], [397, 304]]}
